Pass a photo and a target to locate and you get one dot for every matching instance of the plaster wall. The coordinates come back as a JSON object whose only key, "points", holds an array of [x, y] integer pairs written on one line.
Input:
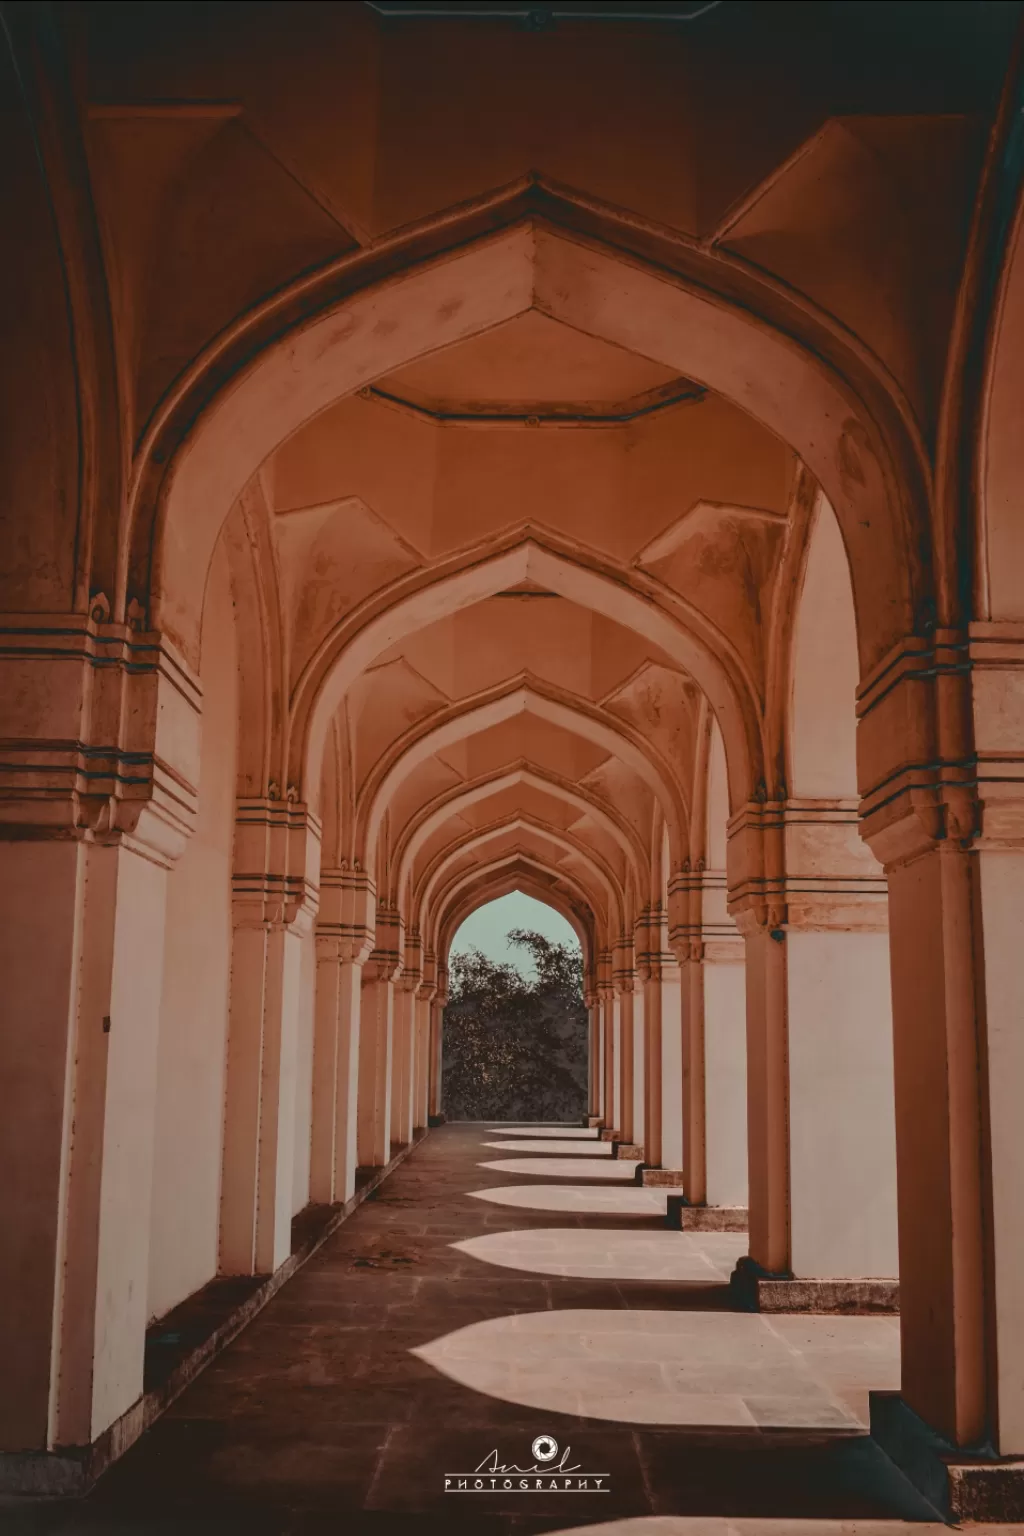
{"points": [[725, 1082], [841, 1111], [194, 1005]]}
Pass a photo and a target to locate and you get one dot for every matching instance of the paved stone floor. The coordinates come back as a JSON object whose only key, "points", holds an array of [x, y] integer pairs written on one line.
{"points": [[459, 1314]]}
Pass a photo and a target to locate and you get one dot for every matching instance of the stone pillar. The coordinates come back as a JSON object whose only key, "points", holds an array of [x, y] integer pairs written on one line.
{"points": [[822, 1169], [662, 981], [277, 864], [636, 1009], [99, 742], [436, 1072], [425, 995], [421, 1104], [941, 747], [609, 1043], [402, 1059], [344, 938], [375, 1057], [625, 981], [595, 1099], [625, 984], [710, 950]]}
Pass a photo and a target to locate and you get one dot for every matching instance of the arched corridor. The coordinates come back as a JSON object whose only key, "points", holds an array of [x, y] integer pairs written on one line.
{"points": [[456, 450], [469, 1308]]}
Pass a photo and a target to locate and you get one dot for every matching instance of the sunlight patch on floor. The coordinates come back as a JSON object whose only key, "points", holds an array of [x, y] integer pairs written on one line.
{"points": [[582, 1200], [678, 1368], [566, 1168], [575, 1253], [555, 1148], [571, 1132]]}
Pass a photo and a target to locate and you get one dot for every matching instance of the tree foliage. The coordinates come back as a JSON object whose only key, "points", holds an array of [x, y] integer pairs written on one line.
{"points": [[515, 1048]]}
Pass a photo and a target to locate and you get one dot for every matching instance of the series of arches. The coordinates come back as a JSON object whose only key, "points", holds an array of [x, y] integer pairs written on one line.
{"points": [[356, 699]]}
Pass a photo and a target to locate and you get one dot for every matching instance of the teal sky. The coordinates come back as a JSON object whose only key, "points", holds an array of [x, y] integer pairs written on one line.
{"points": [[487, 929]]}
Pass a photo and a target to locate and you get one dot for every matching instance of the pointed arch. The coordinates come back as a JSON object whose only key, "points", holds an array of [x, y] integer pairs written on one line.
{"points": [[467, 718], [433, 816], [604, 876], [704, 313]]}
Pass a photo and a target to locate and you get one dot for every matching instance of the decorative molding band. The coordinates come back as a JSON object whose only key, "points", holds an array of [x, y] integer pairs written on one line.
{"points": [[99, 734]]}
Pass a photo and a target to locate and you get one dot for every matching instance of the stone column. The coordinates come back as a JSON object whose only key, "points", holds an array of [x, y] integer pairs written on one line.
{"points": [[625, 984], [660, 972], [424, 1036], [437, 1047], [636, 1009], [99, 742], [819, 1050], [276, 884], [402, 1060], [344, 938], [376, 1044], [595, 1097], [421, 1106], [609, 1044], [710, 951], [941, 747]]}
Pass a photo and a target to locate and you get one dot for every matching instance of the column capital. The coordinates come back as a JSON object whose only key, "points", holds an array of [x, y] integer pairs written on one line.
{"points": [[941, 743], [99, 733], [801, 863], [276, 879], [385, 962], [348, 910]]}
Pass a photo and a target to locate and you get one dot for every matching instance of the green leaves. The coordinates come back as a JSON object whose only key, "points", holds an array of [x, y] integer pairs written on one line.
{"points": [[516, 1048]]}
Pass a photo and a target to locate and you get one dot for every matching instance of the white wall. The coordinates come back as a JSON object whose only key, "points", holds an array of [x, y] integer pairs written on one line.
{"points": [[841, 1115], [725, 1082], [194, 1008]]}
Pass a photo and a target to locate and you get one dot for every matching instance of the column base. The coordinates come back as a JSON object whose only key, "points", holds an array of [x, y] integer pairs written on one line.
{"points": [[659, 1178], [607, 1133], [683, 1217], [434, 1121], [592, 1122], [756, 1290], [628, 1151], [180, 1346], [960, 1487]]}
